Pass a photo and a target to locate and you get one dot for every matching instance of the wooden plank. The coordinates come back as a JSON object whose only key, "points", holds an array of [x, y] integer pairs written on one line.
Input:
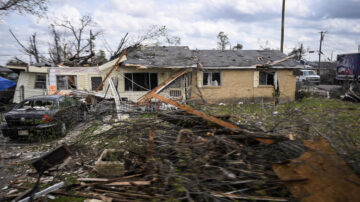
{"points": [[282, 60], [210, 118], [112, 69], [168, 81], [136, 183], [92, 179], [196, 112]]}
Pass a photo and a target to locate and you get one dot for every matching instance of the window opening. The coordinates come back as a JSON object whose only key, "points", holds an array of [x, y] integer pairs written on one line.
{"points": [[140, 81], [266, 78], [40, 81], [66, 82], [211, 79], [95, 82]]}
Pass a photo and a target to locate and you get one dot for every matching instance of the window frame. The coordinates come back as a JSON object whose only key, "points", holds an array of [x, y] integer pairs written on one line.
{"points": [[211, 73], [92, 87], [131, 89], [266, 82], [37, 82], [66, 87]]}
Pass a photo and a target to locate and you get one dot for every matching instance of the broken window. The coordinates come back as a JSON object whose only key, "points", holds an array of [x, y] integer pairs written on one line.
{"points": [[140, 81], [176, 83], [266, 78], [40, 81], [66, 82], [95, 82], [211, 79]]}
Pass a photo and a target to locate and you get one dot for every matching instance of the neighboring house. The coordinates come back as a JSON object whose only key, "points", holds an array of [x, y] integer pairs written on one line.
{"points": [[215, 75]]}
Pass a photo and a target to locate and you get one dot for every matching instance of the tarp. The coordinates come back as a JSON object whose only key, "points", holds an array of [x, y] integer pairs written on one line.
{"points": [[6, 83]]}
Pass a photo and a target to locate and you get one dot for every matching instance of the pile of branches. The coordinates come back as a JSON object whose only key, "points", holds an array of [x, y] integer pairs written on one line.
{"points": [[195, 161]]}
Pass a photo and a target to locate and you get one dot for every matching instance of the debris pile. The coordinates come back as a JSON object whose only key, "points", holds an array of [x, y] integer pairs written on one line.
{"points": [[353, 94], [180, 155]]}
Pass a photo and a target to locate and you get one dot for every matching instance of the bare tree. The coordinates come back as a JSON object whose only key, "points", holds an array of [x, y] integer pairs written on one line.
{"points": [[34, 7], [153, 35], [32, 49], [81, 46], [298, 51], [223, 40], [264, 46], [173, 40], [56, 52]]}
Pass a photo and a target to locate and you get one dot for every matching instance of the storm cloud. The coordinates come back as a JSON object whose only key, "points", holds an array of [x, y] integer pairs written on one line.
{"points": [[253, 23]]}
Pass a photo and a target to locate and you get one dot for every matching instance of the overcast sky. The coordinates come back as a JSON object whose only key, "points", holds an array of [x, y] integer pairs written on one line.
{"points": [[253, 23]]}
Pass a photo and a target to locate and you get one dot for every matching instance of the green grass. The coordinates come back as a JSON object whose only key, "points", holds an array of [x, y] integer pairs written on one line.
{"points": [[310, 117]]}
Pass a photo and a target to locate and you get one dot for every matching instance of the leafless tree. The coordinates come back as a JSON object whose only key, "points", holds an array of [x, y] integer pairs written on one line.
{"points": [[34, 7], [153, 35], [56, 52], [81, 46], [223, 40], [173, 40], [298, 51], [265, 45], [32, 49]]}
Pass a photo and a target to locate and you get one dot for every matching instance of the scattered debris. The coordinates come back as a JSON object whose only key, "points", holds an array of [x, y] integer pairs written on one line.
{"points": [[44, 192], [326, 176], [48, 160]]}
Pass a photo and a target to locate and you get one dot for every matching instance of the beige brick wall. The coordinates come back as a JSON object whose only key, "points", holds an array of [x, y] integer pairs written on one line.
{"points": [[239, 84]]}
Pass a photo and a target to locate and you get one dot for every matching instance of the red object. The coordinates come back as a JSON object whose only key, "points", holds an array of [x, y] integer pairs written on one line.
{"points": [[46, 119]]}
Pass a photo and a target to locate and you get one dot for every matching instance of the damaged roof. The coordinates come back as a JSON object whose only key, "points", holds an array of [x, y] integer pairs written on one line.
{"points": [[161, 56], [241, 58], [182, 56]]}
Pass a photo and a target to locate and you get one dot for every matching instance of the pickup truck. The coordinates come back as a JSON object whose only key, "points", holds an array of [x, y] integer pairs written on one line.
{"points": [[308, 76]]}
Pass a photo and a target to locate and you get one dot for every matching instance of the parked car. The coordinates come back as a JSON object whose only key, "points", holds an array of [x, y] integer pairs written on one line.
{"points": [[308, 76], [42, 116]]}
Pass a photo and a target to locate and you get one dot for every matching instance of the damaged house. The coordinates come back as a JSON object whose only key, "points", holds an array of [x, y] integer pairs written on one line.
{"points": [[212, 75]]}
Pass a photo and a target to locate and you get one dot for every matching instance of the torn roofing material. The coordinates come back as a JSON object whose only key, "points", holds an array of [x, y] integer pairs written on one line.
{"points": [[161, 56], [240, 58], [182, 56]]}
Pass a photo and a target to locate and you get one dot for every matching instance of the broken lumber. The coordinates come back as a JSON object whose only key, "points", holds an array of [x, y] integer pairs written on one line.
{"points": [[131, 183], [209, 118], [111, 70], [282, 60], [196, 112], [161, 86], [44, 192]]}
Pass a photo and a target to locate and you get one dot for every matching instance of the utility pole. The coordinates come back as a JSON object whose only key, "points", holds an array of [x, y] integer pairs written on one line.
{"points": [[282, 27], [322, 34]]}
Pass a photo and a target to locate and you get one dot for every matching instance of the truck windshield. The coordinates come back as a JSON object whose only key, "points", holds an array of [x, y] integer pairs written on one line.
{"points": [[36, 104], [312, 73]]}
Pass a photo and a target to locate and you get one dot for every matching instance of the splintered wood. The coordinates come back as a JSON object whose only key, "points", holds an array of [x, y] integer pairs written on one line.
{"points": [[158, 88], [209, 118], [328, 177]]}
